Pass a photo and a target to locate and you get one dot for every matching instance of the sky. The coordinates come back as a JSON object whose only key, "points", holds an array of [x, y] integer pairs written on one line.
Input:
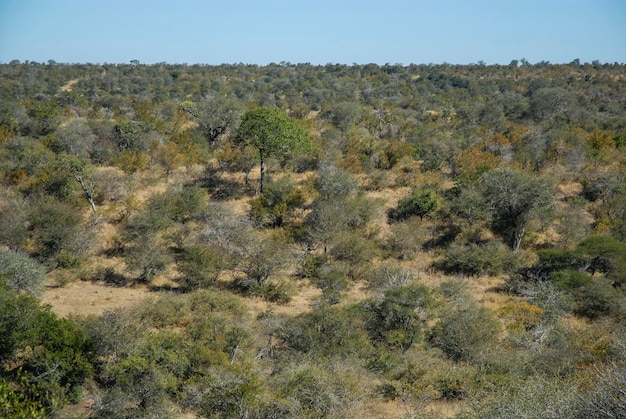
{"points": [[317, 32]]}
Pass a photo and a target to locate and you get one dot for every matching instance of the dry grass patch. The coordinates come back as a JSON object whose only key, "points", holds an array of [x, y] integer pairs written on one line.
{"points": [[88, 298], [302, 302]]}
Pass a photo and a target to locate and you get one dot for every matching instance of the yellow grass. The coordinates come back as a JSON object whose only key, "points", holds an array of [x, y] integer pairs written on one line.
{"points": [[87, 298]]}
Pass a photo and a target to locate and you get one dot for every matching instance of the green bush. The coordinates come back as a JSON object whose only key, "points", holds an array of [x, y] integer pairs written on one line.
{"points": [[280, 199], [592, 297], [466, 329], [388, 276], [571, 280], [420, 202], [491, 258], [399, 318], [355, 251], [178, 205], [597, 299], [134, 387], [321, 390], [57, 227], [277, 292], [312, 264], [53, 354], [15, 404], [114, 334], [332, 280], [326, 331], [537, 397], [310, 387], [406, 239], [225, 392], [605, 255], [201, 266], [552, 260]]}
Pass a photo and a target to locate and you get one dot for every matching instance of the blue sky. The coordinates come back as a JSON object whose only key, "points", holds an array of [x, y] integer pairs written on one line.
{"points": [[317, 32]]}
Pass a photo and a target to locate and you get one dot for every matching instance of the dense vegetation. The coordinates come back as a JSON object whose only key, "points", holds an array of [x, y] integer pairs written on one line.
{"points": [[463, 227]]}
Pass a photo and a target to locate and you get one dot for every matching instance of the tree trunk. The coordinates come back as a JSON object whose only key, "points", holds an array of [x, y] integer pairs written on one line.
{"points": [[88, 194], [518, 235], [262, 175]]}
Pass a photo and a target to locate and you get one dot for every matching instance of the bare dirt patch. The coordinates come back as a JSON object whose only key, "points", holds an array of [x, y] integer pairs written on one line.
{"points": [[67, 87]]}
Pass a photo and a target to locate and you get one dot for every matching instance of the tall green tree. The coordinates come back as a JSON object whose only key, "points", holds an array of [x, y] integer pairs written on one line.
{"points": [[272, 133]]}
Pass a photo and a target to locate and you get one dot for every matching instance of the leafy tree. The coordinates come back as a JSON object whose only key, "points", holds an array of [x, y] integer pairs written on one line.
{"points": [[597, 299], [512, 198], [324, 223], [333, 183], [179, 204], [260, 257], [236, 158], [537, 397], [344, 114], [58, 232], [176, 205], [329, 329], [320, 390], [273, 134], [134, 388], [44, 118], [552, 103], [214, 114], [131, 135], [114, 333], [75, 138], [201, 265], [419, 202], [574, 224], [226, 392], [8, 125], [256, 255], [148, 256], [51, 354], [618, 229], [336, 209], [588, 296]]}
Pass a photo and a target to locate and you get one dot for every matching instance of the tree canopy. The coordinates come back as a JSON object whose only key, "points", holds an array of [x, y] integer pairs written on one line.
{"points": [[512, 197], [273, 134]]}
